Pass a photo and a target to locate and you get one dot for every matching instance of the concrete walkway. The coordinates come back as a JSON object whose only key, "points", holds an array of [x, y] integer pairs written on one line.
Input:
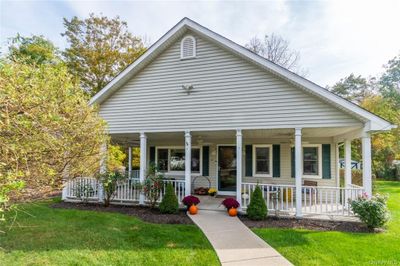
{"points": [[234, 243]]}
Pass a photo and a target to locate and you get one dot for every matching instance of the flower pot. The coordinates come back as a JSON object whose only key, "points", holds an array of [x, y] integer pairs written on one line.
{"points": [[193, 210], [232, 212]]}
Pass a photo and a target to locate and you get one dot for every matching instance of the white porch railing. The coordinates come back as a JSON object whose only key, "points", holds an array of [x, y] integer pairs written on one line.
{"points": [[315, 199], [329, 200], [127, 191], [179, 188], [82, 188], [277, 197]]}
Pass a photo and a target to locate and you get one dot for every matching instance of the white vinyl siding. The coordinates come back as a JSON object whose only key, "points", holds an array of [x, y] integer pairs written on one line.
{"points": [[227, 93]]}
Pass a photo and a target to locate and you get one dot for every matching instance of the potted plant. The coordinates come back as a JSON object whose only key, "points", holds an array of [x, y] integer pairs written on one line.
{"points": [[231, 206], [212, 192], [190, 202]]}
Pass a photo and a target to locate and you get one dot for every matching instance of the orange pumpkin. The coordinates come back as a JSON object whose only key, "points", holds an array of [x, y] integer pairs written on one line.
{"points": [[232, 212], [193, 209]]}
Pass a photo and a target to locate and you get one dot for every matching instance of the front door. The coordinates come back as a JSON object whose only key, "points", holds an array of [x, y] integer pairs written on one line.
{"points": [[227, 168]]}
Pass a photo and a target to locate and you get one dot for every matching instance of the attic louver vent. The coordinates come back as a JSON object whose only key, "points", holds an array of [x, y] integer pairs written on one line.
{"points": [[188, 47]]}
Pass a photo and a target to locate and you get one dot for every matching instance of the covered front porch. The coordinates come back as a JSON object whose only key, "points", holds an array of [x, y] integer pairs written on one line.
{"points": [[297, 169]]}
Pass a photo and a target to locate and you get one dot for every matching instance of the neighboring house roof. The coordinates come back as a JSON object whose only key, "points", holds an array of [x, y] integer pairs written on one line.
{"points": [[372, 121]]}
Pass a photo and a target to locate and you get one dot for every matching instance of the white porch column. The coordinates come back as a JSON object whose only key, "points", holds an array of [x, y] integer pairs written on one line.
{"points": [[337, 163], [337, 169], [103, 169], [298, 171], [188, 163], [366, 167], [347, 163], [347, 170], [129, 162], [143, 163], [65, 178], [239, 166]]}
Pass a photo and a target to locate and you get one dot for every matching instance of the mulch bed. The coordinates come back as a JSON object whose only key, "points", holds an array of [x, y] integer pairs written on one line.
{"points": [[154, 216], [144, 213], [311, 224]]}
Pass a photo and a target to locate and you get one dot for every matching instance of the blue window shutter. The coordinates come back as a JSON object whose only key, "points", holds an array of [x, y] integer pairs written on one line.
{"points": [[326, 161], [292, 161], [152, 155], [249, 160], [206, 160], [276, 160]]}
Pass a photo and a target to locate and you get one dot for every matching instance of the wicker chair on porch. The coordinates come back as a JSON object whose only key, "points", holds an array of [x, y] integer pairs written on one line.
{"points": [[201, 190]]}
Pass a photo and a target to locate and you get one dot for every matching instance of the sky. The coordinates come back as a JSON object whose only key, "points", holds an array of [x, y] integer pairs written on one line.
{"points": [[334, 38]]}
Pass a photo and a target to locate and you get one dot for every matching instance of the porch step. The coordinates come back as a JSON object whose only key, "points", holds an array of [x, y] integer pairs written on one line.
{"points": [[211, 203]]}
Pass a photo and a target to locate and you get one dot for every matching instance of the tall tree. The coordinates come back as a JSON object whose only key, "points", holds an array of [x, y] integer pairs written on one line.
{"points": [[354, 88], [386, 145], [33, 50], [390, 81], [99, 48], [46, 128], [276, 49]]}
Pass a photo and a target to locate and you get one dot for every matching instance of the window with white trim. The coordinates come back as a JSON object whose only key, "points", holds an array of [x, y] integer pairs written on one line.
{"points": [[262, 160], [172, 159], [311, 160], [188, 47]]}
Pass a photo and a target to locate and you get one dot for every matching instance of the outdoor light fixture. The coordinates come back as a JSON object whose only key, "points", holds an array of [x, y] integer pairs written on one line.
{"points": [[187, 88]]}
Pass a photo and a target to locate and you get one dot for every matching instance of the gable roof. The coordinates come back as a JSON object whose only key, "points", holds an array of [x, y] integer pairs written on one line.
{"points": [[373, 122]]}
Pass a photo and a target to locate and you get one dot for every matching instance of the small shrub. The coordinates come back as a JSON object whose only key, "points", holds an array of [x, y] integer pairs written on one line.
{"points": [[109, 181], [190, 200], [230, 203], [169, 203], [257, 209], [373, 212], [152, 185], [83, 192]]}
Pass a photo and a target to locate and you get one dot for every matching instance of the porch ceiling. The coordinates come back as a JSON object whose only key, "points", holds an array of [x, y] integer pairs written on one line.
{"points": [[229, 135]]}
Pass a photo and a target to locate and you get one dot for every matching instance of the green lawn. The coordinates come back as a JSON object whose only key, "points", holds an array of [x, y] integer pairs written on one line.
{"points": [[305, 247], [74, 237]]}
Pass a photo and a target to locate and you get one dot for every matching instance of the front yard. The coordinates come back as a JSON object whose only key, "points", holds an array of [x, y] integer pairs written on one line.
{"points": [[305, 247], [43, 235], [75, 237]]}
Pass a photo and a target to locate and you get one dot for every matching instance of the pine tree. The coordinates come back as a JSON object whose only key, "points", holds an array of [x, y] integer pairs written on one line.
{"points": [[169, 203], [257, 209]]}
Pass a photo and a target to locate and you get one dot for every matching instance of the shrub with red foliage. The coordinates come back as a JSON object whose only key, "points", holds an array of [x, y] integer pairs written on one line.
{"points": [[230, 203], [190, 200]]}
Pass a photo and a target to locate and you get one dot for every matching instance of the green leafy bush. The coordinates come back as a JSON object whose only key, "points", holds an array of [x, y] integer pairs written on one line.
{"points": [[110, 180], [169, 203], [83, 192], [152, 185], [373, 212], [257, 209]]}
